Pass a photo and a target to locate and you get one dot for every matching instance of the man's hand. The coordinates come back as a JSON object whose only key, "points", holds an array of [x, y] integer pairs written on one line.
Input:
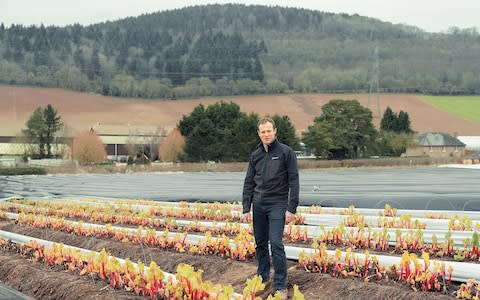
{"points": [[289, 217], [245, 217]]}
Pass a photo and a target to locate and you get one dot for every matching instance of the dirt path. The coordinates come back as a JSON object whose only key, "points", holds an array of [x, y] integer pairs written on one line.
{"points": [[42, 282]]}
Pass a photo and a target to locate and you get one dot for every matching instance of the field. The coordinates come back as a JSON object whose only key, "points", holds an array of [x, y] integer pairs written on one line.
{"points": [[23, 268], [55, 273], [467, 107], [80, 110]]}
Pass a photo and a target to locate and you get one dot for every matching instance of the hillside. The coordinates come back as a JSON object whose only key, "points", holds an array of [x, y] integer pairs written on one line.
{"points": [[81, 110], [234, 49]]}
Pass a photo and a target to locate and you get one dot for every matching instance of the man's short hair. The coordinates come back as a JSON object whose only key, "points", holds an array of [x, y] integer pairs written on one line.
{"points": [[266, 120]]}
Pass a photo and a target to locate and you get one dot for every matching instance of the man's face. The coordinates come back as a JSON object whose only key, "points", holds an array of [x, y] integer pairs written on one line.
{"points": [[266, 132]]}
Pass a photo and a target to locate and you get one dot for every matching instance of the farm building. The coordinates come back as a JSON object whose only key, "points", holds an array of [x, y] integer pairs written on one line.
{"points": [[123, 139], [13, 147], [120, 140], [13, 150], [472, 143], [437, 145], [9, 143]]}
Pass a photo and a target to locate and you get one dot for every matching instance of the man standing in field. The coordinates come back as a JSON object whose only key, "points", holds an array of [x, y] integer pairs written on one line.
{"points": [[271, 190]]}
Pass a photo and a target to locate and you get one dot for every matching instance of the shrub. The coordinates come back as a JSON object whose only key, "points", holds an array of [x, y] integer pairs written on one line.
{"points": [[172, 146], [22, 171], [88, 148]]}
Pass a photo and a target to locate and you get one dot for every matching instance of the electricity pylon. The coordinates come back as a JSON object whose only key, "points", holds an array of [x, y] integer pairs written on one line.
{"points": [[374, 85]]}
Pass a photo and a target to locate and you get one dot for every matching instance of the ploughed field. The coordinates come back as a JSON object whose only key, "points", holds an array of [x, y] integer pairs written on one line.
{"points": [[81, 111], [334, 253]]}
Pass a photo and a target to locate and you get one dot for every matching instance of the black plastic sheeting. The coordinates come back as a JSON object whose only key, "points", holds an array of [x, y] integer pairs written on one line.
{"points": [[7, 292], [403, 188]]}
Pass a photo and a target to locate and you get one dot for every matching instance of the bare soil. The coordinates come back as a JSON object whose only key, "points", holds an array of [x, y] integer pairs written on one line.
{"points": [[42, 282], [80, 111]]}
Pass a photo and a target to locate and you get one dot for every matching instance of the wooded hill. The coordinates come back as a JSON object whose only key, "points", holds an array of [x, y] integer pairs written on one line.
{"points": [[235, 49]]}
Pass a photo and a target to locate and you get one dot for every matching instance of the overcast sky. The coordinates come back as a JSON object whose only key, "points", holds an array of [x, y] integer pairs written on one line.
{"points": [[430, 15]]}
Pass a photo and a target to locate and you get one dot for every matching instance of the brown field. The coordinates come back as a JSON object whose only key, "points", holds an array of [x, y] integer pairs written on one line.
{"points": [[42, 282], [82, 110]]}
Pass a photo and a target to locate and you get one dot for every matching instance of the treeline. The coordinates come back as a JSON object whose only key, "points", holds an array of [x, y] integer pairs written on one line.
{"points": [[221, 132], [236, 49]]}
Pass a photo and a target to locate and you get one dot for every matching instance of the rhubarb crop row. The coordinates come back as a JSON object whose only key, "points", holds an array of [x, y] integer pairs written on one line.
{"points": [[464, 249]]}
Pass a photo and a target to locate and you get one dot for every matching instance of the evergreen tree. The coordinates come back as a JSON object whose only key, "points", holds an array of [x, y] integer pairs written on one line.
{"points": [[200, 143], [41, 46], [258, 70], [36, 131], [351, 127], [27, 46], [41, 128], [403, 123], [389, 120], [218, 41], [188, 123], [53, 123], [95, 67], [221, 132], [174, 65], [395, 123], [2, 31], [164, 40], [122, 57], [79, 59], [76, 33], [159, 65], [286, 131], [246, 137], [318, 139], [18, 55]]}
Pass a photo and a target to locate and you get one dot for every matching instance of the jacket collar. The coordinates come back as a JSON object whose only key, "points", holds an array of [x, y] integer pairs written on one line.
{"points": [[271, 146]]}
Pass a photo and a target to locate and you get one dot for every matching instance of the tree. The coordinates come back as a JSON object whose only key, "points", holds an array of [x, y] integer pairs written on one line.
{"points": [[171, 148], [218, 133], [188, 123], [351, 127], [403, 123], [35, 131], [318, 139], [88, 148], [94, 67], [286, 131], [245, 136], [79, 59], [41, 128], [71, 77], [257, 70], [229, 41], [389, 120], [391, 143], [200, 145], [395, 123], [53, 123]]}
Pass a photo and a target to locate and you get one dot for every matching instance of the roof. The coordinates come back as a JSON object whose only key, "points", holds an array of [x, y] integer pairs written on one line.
{"points": [[11, 130], [129, 129], [471, 142], [438, 139]]}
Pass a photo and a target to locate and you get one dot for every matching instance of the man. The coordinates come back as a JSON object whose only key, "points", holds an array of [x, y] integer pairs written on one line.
{"points": [[271, 189]]}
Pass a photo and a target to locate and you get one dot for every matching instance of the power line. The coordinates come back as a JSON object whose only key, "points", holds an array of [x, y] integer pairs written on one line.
{"points": [[374, 82]]}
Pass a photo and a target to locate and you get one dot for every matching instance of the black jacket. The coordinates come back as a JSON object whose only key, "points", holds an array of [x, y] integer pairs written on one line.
{"points": [[272, 177]]}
